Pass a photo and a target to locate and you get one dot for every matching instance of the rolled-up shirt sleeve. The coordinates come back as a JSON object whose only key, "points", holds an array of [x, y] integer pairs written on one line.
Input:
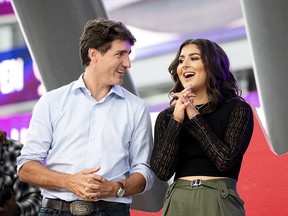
{"points": [[39, 137], [141, 149]]}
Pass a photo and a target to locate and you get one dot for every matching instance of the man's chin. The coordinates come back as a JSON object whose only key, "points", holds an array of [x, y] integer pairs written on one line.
{"points": [[117, 83]]}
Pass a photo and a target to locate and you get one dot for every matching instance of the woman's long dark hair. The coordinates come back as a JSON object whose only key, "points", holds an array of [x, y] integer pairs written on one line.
{"points": [[221, 84]]}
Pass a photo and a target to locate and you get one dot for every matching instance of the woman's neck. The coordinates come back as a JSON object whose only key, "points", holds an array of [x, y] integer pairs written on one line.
{"points": [[200, 98]]}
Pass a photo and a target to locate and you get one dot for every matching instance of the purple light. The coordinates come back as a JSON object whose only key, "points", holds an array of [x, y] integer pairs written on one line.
{"points": [[16, 125], [252, 98], [6, 7]]}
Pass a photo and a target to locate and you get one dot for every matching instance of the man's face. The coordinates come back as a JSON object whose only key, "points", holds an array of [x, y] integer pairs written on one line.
{"points": [[112, 65]]}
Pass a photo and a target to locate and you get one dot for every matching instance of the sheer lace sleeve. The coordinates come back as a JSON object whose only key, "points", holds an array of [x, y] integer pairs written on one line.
{"points": [[224, 153], [163, 160]]}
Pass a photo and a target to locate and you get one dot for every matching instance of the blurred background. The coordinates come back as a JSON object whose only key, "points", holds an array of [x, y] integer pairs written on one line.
{"points": [[160, 26]]}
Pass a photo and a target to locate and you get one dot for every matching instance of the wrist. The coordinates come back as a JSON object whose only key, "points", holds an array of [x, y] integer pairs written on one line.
{"points": [[120, 189], [175, 118]]}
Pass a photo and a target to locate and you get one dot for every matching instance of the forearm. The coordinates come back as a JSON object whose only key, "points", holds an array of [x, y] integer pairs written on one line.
{"points": [[37, 174], [134, 184], [163, 160]]}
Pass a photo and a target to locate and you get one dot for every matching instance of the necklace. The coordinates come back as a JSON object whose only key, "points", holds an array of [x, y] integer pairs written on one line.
{"points": [[198, 107]]}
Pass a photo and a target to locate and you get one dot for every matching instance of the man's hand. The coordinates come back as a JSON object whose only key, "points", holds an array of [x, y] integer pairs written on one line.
{"points": [[85, 184], [106, 188]]}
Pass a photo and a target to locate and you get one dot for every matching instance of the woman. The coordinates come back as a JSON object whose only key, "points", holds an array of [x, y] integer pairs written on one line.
{"points": [[203, 136]]}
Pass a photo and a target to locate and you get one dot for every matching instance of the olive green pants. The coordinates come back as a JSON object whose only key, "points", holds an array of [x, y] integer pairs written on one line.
{"points": [[203, 198]]}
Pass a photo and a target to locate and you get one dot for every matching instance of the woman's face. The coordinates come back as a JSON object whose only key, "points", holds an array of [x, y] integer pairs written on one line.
{"points": [[191, 70]]}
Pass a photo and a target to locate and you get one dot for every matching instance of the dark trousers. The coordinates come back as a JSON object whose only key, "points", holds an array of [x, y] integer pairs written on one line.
{"points": [[119, 210]]}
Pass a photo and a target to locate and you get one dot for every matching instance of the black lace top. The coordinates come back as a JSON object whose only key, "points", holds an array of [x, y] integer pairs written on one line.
{"points": [[210, 144]]}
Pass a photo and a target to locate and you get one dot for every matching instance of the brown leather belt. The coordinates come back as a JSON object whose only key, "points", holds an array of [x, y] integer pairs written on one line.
{"points": [[79, 207]]}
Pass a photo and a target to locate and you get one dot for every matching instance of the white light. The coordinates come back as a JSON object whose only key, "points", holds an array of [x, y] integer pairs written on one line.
{"points": [[111, 5], [21, 135], [261, 116], [41, 88], [147, 38], [14, 134], [11, 75], [153, 119]]}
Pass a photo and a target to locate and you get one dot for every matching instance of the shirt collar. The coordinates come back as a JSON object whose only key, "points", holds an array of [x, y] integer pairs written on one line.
{"points": [[79, 83], [116, 89]]}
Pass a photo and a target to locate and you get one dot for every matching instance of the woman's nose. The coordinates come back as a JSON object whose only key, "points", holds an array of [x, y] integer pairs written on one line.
{"points": [[186, 64]]}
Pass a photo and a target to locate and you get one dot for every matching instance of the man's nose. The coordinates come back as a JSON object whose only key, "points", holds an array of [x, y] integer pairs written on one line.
{"points": [[127, 62]]}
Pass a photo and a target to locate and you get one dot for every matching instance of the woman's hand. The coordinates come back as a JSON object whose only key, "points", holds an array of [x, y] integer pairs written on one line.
{"points": [[183, 101]]}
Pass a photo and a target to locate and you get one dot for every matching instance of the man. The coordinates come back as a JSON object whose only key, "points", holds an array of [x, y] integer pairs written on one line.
{"points": [[16, 198], [94, 136]]}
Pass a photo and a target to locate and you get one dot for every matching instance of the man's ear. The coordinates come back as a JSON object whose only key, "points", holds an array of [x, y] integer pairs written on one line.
{"points": [[93, 54]]}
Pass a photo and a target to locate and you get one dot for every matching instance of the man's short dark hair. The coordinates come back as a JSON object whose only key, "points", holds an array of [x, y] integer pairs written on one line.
{"points": [[99, 34]]}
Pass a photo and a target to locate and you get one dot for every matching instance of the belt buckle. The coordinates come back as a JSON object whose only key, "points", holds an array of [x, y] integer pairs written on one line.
{"points": [[196, 183], [81, 208]]}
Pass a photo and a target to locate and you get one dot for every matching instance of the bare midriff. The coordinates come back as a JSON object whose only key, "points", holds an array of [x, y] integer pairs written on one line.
{"points": [[191, 178]]}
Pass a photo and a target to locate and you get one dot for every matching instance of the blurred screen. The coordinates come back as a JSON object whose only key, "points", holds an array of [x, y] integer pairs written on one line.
{"points": [[18, 82], [16, 126]]}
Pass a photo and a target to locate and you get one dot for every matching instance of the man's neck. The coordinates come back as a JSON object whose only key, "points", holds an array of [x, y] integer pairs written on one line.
{"points": [[96, 87]]}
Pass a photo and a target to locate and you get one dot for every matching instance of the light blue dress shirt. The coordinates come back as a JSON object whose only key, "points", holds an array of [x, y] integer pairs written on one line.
{"points": [[75, 132]]}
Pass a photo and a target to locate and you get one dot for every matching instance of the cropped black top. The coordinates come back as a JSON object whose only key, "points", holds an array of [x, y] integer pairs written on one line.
{"points": [[211, 144]]}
